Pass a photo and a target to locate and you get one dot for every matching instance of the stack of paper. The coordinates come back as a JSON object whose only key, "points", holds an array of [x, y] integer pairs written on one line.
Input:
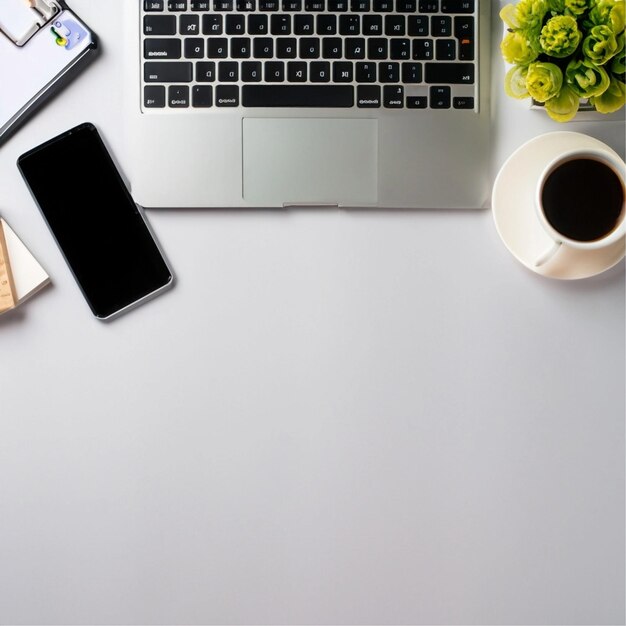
{"points": [[24, 276]]}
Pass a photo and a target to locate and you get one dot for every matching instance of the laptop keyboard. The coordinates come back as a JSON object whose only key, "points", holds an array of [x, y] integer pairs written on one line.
{"points": [[392, 54]]}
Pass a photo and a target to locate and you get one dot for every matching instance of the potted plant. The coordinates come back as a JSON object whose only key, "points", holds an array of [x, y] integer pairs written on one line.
{"points": [[563, 52]]}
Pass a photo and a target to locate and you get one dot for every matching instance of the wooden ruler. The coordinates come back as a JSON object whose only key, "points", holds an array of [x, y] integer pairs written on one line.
{"points": [[8, 298]]}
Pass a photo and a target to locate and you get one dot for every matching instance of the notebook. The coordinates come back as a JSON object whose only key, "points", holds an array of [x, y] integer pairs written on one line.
{"points": [[28, 276]]}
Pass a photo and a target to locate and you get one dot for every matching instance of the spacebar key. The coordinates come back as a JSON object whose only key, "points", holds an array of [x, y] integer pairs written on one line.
{"points": [[297, 96]]}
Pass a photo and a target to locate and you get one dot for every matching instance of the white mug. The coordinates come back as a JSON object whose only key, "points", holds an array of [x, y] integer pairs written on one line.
{"points": [[612, 161]]}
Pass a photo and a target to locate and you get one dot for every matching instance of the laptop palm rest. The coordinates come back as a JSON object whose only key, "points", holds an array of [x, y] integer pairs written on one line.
{"points": [[300, 162]]}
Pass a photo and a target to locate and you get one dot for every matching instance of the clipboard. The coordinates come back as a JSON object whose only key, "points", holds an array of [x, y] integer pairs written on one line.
{"points": [[43, 45]]}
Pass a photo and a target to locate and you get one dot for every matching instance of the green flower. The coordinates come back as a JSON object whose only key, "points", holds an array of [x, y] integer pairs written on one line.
{"points": [[600, 44], [585, 78], [525, 15], [560, 36], [607, 13], [544, 81], [576, 7], [564, 106], [612, 99], [518, 49], [515, 82]]}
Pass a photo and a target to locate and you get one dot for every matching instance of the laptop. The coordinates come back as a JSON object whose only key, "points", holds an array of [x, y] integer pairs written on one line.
{"points": [[300, 103]]}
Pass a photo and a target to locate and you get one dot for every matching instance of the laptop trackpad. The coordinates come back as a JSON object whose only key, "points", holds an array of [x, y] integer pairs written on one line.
{"points": [[310, 161]]}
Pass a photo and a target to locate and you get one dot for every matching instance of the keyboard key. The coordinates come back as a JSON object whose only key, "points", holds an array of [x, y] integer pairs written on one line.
{"points": [[450, 73], [257, 25], [280, 25], [274, 72], [202, 96], [194, 48], [463, 103], [240, 47], [360, 6], [159, 25], [383, 6], [205, 72], [309, 48], [161, 48], [327, 24], [217, 47], [445, 50], [400, 49], [263, 48], [246, 5], [153, 5], [212, 24], [393, 96], [377, 48], [319, 72], [395, 25], [268, 5], [154, 96], [168, 72], [227, 96], [440, 97], [343, 72], [189, 25], [337, 6], [441, 26], [418, 26], [178, 96], [406, 6], [319, 96], [228, 71], [332, 47], [200, 5], [428, 6], [355, 48], [235, 24], [416, 102], [365, 72], [457, 6], [177, 5], [349, 25], [296, 72], [372, 25], [389, 72], [314, 5], [466, 50], [368, 96], [251, 71], [292, 5], [222, 5], [423, 49], [464, 27], [303, 25], [411, 72], [286, 47]]}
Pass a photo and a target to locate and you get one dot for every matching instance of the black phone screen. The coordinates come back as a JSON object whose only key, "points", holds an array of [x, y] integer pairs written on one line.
{"points": [[95, 221]]}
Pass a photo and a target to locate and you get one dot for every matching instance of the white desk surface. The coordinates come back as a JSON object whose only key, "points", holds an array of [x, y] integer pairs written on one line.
{"points": [[334, 417]]}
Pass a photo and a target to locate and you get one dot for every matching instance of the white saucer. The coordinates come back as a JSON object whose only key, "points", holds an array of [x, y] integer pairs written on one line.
{"points": [[513, 205]]}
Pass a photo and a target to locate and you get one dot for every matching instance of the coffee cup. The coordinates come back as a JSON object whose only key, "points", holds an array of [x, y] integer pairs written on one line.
{"points": [[580, 201]]}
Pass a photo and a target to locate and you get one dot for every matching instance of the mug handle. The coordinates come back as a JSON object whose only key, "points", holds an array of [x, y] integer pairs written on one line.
{"points": [[546, 256]]}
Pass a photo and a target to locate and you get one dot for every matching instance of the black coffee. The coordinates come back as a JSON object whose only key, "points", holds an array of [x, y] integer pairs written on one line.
{"points": [[583, 199]]}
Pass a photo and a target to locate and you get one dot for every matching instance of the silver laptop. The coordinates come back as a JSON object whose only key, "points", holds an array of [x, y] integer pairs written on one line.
{"points": [[281, 103]]}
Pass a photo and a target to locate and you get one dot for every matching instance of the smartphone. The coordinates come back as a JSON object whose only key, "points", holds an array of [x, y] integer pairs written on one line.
{"points": [[100, 230]]}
